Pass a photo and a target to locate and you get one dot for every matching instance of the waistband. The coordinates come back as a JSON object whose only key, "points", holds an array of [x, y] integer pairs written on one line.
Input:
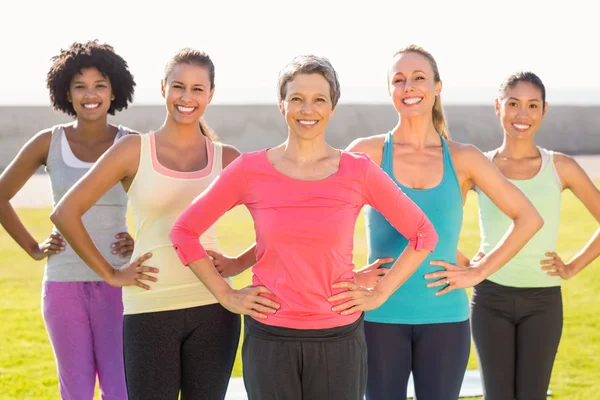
{"points": [[267, 332]]}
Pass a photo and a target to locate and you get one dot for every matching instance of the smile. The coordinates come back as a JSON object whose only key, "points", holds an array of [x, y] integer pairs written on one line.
{"points": [[305, 122], [521, 127], [412, 100], [185, 110], [91, 106]]}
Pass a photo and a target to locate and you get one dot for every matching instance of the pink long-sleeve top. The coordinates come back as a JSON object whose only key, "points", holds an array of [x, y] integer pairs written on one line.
{"points": [[304, 229]]}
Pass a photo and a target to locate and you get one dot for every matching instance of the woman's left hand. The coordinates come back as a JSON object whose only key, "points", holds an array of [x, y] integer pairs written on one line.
{"points": [[355, 299], [124, 245], [554, 266], [453, 277]]}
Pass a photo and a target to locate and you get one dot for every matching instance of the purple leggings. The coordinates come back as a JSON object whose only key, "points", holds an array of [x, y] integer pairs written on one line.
{"points": [[84, 321]]}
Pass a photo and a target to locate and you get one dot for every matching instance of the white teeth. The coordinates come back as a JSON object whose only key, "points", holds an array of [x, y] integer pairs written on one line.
{"points": [[412, 100], [95, 105], [304, 122], [185, 109], [521, 126]]}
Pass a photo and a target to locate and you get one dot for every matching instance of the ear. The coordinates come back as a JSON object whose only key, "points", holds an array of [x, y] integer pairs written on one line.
{"points": [[281, 108], [69, 98], [497, 106], [163, 88], [545, 109], [210, 95], [438, 88]]}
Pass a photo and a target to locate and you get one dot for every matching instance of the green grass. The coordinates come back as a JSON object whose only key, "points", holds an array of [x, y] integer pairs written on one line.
{"points": [[27, 366]]}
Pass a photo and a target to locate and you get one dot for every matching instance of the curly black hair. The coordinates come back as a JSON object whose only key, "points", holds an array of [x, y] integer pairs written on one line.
{"points": [[85, 55]]}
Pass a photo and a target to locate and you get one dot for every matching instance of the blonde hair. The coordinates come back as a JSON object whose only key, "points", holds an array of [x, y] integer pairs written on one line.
{"points": [[439, 119]]}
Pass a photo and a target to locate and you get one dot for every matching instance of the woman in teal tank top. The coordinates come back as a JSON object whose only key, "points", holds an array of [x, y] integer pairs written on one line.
{"points": [[423, 328], [517, 311]]}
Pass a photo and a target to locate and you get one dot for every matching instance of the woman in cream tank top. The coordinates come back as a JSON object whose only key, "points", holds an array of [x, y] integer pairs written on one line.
{"points": [[178, 342]]}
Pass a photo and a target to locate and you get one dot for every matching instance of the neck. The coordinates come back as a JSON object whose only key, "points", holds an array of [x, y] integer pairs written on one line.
{"points": [[180, 132], [92, 130], [417, 131], [517, 148], [302, 150]]}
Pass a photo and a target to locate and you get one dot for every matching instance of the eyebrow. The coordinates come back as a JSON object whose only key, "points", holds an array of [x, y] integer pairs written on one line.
{"points": [[514, 98], [99, 80], [181, 83], [300, 94], [416, 70]]}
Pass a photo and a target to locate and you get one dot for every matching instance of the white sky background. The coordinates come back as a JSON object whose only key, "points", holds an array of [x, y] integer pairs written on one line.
{"points": [[476, 43]]}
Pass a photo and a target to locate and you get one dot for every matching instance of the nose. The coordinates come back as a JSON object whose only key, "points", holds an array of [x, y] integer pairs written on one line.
{"points": [[186, 95], [408, 86], [306, 107]]}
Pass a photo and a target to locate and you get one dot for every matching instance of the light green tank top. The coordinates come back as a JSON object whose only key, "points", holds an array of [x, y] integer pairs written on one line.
{"points": [[544, 191]]}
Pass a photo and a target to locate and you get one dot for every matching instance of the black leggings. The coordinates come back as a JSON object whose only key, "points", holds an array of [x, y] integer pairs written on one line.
{"points": [[437, 355], [516, 332], [298, 364], [191, 350]]}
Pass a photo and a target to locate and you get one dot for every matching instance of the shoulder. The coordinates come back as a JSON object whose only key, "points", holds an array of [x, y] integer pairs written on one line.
{"points": [[370, 145], [230, 154], [566, 166], [465, 153]]}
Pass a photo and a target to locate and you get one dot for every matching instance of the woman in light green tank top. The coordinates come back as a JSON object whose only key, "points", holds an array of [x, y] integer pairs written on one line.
{"points": [[517, 312]]}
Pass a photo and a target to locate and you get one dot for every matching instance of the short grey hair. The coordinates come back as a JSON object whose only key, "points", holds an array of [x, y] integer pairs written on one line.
{"points": [[309, 64]]}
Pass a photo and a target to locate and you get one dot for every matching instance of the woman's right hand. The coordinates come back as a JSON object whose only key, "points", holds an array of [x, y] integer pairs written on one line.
{"points": [[370, 275], [247, 301], [133, 273], [54, 244]]}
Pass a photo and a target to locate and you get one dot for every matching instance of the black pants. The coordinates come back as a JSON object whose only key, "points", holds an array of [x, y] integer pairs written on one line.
{"points": [[516, 332], [191, 350], [437, 355], [297, 364]]}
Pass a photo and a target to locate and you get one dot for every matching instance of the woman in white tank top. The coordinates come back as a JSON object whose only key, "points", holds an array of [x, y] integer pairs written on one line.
{"points": [[82, 314], [178, 341]]}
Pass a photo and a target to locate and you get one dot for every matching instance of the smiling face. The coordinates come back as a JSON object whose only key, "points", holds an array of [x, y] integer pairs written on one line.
{"points": [[307, 105], [412, 84], [187, 91], [521, 110], [90, 92]]}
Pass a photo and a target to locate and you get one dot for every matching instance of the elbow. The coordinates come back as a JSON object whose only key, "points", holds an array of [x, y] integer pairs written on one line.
{"points": [[56, 216], [530, 220]]}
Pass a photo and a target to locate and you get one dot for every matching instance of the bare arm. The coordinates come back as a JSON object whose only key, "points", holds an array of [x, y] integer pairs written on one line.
{"points": [[575, 179], [118, 164], [31, 157], [512, 202]]}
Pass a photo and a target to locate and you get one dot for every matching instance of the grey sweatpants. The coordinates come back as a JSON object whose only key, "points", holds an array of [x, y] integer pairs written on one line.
{"points": [[297, 364], [516, 332]]}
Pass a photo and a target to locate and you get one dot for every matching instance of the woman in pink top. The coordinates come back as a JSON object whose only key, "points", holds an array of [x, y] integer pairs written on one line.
{"points": [[304, 335]]}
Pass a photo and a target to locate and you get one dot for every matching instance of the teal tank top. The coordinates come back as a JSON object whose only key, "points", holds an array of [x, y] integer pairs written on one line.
{"points": [[414, 303]]}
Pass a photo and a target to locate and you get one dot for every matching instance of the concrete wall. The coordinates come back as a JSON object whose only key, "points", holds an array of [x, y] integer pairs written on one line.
{"points": [[571, 129]]}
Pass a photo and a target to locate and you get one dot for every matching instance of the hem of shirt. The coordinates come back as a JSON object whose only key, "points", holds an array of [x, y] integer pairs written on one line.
{"points": [[400, 321], [526, 285], [173, 307], [310, 324]]}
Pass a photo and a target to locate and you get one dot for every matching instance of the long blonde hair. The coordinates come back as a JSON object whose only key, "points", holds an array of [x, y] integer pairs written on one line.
{"points": [[439, 119]]}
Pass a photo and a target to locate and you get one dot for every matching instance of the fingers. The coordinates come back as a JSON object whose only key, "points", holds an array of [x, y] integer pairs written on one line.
{"points": [[142, 285], [443, 274], [548, 262], [141, 259], [381, 261], [346, 285], [450, 287], [261, 289], [214, 254], [123, 248], [552, 273], [263, 301], [143, 268], [123, 235], [440, 282], [348, 294], [347, 305], [444, 264]]}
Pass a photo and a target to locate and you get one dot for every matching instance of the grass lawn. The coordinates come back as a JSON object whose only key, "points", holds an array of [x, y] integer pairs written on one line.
{"points": [[27, 366]]}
